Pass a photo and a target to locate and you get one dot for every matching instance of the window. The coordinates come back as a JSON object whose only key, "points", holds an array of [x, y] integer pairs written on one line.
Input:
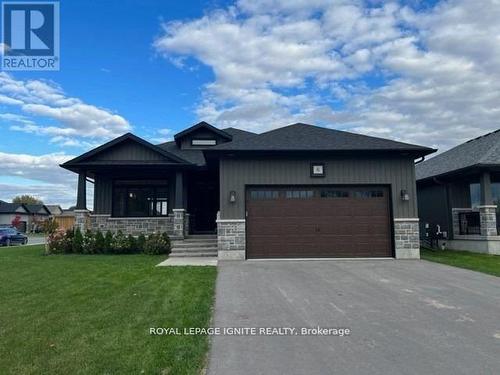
{"points": [[334, 194], [299, 194], [203, 142], [368, 194], [133, 200], [264, 194]]}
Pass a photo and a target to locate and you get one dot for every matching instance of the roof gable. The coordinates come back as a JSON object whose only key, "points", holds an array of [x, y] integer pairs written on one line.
{"points": [[304, 137], [127, 148], [480, 151], [12, 208], [205, 126]]}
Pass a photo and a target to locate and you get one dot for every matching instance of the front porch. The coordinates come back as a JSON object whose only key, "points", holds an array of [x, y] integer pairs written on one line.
{"points": [[180, 203], [475, 228]]}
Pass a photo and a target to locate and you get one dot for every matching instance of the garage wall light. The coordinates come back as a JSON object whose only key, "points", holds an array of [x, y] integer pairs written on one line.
{"points": [[404, 195], [232, 196]]}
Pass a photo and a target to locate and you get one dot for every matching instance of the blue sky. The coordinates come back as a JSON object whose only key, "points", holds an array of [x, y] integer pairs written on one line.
{"points": [[424, 72]]}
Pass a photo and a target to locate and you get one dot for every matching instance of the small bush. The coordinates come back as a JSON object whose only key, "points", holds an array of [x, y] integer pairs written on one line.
{"points": [[89, 242], [67, 242], [141, 243], [108, 243], [78, 241], [132, 244], [119, 244], [56, 242], [156, 244], [100, 242]]}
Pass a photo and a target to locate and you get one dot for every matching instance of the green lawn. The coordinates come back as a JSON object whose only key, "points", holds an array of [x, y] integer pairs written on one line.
{"points": [[84, 314], [485, 263]]}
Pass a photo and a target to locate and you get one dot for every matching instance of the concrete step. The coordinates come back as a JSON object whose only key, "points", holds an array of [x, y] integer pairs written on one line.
{"points": [[202, 236], [193, 249], [181, 245], [193, 255], [196, 240]]}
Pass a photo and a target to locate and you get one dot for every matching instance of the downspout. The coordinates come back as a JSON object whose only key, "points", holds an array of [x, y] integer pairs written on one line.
{"points": [[448, 204]]}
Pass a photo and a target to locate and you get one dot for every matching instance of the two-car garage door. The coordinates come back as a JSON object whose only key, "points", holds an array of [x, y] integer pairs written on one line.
{"points": [[305, 222]]}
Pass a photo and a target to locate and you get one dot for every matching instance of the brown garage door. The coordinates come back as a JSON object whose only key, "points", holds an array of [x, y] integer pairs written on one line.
{"points": [[302, 222]]}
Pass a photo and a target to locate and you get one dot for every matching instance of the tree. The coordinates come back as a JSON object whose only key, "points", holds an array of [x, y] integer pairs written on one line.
{"points": [[16, 221], [26, 199]]}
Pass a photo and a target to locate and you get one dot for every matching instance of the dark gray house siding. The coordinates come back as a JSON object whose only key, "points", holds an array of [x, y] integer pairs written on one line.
{"points": [[235, 173]]}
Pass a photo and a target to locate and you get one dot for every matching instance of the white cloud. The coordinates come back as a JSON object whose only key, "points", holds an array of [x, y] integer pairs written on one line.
{"points": [[276, 62], [40, 175], [71, 116]]}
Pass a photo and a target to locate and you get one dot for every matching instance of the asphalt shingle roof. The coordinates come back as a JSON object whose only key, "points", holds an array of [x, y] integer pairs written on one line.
{"points": [[303, 137], [196, 156], [484, 150], [8, 208]]}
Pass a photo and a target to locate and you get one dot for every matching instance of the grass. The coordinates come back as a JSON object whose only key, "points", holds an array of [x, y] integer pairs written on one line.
{"points": [[485, 263], [84, 314]]}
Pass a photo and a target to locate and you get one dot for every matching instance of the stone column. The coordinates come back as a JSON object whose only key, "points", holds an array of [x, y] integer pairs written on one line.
{"points": [[179, 223], [82, 220], [231, 241], [406, 238], [488, 220]]}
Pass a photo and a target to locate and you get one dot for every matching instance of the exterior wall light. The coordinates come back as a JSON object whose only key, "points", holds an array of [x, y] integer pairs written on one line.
{"points": [[404, 195], [232, 196]]}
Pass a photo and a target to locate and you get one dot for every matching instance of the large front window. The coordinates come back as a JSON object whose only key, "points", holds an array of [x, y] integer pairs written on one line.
{"points": [[140, 198]]}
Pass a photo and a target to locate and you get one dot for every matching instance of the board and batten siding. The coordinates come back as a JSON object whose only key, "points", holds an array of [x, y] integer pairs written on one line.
{"points": [[103, 192], [237, 173]]}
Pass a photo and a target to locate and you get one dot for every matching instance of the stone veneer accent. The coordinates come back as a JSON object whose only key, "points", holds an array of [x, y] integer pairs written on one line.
{"points": [[231, 239], [488, 220], [133, 225], [82, 219], [178, 222], [406, 238]]}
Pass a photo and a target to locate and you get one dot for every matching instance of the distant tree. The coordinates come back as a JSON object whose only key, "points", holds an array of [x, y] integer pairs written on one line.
{"points": [[16, 221], [26, 199]]}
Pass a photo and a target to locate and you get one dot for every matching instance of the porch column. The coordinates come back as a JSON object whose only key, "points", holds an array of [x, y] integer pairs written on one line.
{"points": [[81, 197], [81, 212], [179, 190], [179, 212], [487, 210]]}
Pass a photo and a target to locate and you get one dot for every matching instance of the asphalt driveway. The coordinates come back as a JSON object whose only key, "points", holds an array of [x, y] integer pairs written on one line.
{"points": [[405, 317]]}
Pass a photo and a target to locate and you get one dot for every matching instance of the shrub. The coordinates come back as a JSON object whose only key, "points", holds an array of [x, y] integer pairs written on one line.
{"points": [[132, 244], [119, 244], [108, 243], [67, 241], [166, 238], [100, 242], [156, 244], [141, 242], [56, 242], [89, 242], [78, 241]]}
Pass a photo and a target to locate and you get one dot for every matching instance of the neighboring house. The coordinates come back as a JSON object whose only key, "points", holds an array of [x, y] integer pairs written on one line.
{"points": [[294, 192], [54, 209], [38, 213], [459, 191], [9, 211]]}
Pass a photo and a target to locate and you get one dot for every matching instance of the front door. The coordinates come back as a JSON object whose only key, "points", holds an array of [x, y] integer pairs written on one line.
{"points": [[203, 203]]}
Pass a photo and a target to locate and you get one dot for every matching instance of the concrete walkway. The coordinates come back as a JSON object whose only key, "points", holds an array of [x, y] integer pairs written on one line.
{"points": [[189, 261], [405, 317]]}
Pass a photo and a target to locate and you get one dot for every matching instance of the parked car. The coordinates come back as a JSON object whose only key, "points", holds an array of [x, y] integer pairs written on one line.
{"points": [[10, 236]]}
